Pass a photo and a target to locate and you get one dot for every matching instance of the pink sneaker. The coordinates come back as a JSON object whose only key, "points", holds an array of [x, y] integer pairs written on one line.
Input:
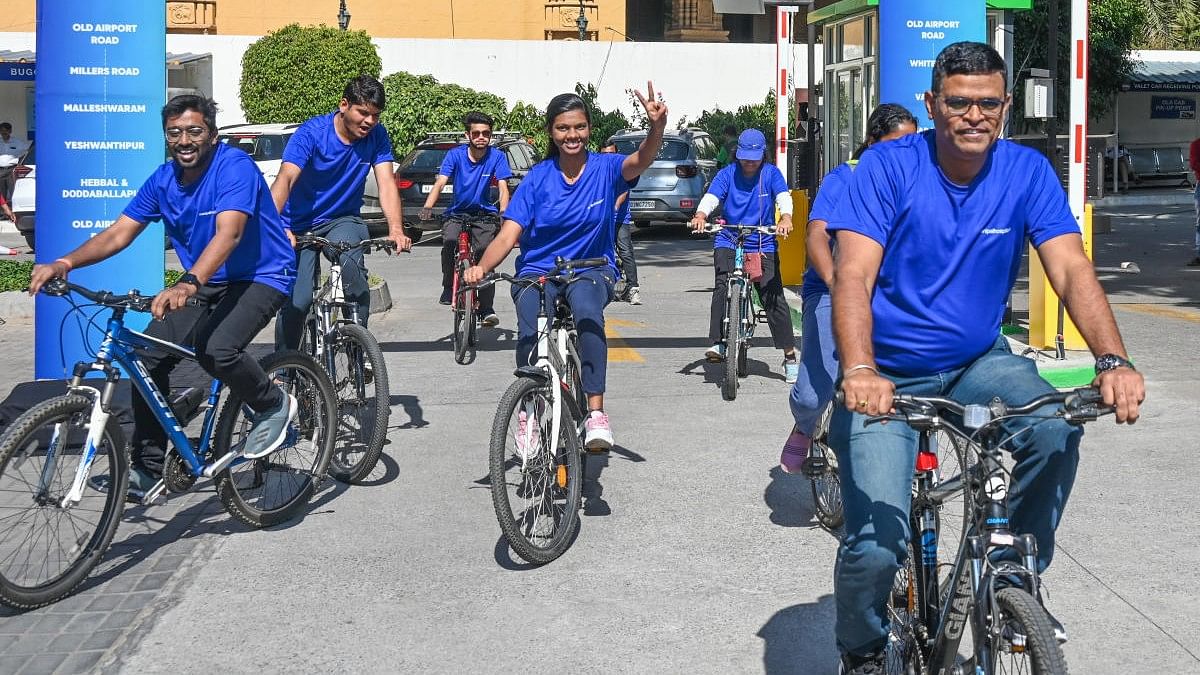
{"points": [[527, 436], [599, 435], [795, 451]]}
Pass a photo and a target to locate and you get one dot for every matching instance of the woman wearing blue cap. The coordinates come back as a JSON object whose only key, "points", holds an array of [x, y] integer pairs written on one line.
{"points": [[752, 190]]}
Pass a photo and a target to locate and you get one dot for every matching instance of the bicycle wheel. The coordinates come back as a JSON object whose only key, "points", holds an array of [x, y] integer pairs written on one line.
{"points": [[955, 459], [1022, 639], [464, 322], [47, 550], [902, 652], [536, 495], [269, 490], [825, 481], [733, 347], [360, 387]]}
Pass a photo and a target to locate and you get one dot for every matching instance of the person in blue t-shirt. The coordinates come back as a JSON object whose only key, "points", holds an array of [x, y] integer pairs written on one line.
{"points": [[564, 207], [625, 258], [219, 215], [473, 167], [818, 364], [319, 191], [752, 190], [930, 241]]}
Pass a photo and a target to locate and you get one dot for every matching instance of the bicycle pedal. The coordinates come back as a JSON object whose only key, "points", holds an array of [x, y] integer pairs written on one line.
{"points": [[157, 495], [814, 467]]}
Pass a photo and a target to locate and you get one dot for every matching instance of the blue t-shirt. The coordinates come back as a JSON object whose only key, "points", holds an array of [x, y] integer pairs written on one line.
{"points": [[332, 173], [747, 201], [833, 189], [572, 221], [232, 182], [950, 252], [624, 217], [472, 179]]}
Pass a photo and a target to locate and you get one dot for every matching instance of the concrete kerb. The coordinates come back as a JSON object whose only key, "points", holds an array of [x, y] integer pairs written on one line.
{"points": [[1075, 370]]}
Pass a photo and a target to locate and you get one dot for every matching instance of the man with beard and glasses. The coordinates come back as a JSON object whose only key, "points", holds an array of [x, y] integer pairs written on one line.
{"points": [[218, 213], [319, 191], [930, 237]]}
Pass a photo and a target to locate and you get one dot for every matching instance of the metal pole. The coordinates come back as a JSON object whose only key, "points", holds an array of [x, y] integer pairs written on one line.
{"points": [[783, 48], [1052, 66], [813, 150]]}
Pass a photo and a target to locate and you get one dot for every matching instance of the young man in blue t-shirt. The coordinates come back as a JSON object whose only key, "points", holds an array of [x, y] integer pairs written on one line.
{"points": [[473, 167], [752, 190], [219, 215], [928, 249], [319, 191], [625, 256]]}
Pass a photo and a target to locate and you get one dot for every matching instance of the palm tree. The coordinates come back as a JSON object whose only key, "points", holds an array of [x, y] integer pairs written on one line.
{"points": [[1170, 23], [1187, 25]]}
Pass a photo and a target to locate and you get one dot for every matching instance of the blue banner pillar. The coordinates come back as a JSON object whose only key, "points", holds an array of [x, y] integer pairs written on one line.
{"points": [[101, 81], [911, 34]]}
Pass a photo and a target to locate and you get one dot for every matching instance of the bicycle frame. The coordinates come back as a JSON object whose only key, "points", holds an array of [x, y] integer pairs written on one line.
{"points": [[555, 350], [462, 261], [119, 345]]}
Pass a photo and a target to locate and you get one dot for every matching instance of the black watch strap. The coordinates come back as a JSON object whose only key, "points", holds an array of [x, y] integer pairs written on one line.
{"points": [[1106, 362], [189, 278]]}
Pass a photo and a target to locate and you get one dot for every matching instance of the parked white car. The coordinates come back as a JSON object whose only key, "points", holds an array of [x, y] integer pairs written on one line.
{"points": [[265, 143], [23, 195]]}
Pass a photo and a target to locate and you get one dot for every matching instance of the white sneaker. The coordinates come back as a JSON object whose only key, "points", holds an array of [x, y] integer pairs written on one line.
{"points": [[635, 295], [527, 436], [715, 353], [599, 434]]}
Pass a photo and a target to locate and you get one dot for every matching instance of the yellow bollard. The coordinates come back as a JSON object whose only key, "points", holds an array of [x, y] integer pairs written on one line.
{"points": [[1043, 303], [793, 259]]}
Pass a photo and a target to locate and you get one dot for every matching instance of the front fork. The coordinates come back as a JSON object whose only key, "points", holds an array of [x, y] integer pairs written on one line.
{"points": [[97, 422]]}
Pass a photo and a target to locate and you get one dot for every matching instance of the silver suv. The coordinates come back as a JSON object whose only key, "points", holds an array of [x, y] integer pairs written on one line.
{"points": [[670, 190]]}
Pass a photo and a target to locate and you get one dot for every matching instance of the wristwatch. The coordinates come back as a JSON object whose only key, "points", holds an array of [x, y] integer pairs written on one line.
{"points": [[1106, 362], [189, 278]]}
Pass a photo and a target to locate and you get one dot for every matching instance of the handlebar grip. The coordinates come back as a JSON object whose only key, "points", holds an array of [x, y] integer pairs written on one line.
{"points": [[561, 265]]}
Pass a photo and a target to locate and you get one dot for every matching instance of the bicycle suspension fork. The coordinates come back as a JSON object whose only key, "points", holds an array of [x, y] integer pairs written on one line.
{"points": [[97, 422]]}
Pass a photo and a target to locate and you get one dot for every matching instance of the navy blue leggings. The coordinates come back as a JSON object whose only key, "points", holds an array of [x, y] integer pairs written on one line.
{"points": [[587, 297]]}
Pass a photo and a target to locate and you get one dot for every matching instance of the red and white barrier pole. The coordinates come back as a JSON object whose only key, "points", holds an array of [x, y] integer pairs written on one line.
{"points": [[783, 87], [1077, 160]]}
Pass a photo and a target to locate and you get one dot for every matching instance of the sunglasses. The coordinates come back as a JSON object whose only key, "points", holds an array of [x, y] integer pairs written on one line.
{"points": [[960, 105]]}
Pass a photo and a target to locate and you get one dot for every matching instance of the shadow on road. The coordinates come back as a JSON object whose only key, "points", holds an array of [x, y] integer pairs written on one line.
{"points": [[799, 639], [412, 407], [789, 499], [386, 471]]}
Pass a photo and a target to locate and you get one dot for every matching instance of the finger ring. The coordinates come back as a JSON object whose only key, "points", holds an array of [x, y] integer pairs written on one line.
{"points": [[862, 404]]}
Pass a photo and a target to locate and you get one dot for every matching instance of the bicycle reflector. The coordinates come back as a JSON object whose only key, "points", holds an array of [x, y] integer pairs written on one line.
{"points": [[926, 461], [975, 416]]}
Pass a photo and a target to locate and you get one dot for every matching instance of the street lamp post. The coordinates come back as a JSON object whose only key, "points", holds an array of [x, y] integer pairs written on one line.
{"points": [[343, 16], [582, 22]]}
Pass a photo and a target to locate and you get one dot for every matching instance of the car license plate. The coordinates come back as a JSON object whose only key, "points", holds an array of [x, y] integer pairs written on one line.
{"points": [[447, 190], [642, 204]]}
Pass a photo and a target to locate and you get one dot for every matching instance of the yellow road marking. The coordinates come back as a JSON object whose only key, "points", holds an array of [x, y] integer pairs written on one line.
{"points": [[1163, 311], [619, 351], [623, 323]]}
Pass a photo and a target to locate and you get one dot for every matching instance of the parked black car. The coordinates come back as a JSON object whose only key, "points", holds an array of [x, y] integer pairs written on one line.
{"points": [[670, 190], [419, 169]]}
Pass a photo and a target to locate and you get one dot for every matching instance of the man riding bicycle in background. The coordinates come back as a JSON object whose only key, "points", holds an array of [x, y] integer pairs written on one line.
{"points": [[319, 191], [929, 245], [473, 168], [625, 256], [229, 237]]}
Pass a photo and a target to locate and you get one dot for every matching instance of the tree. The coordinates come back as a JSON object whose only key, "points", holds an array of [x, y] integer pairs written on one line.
{"points": [[1115, 27], [419, 104], [1170, 24], [297, 72], [604, 124]]}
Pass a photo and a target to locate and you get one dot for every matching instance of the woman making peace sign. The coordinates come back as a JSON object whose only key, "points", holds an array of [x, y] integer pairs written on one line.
{"points": [[564, 207]]}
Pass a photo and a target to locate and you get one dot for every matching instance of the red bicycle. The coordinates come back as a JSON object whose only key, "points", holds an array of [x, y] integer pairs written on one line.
{"points": [[464, 303]]}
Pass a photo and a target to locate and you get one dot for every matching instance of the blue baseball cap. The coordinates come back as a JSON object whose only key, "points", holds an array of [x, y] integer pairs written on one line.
{"points": [[752, 145]]}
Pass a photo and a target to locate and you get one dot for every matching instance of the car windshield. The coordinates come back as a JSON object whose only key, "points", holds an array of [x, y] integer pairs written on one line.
{"points": [[262, 147], [672, 151], [424, 159]]}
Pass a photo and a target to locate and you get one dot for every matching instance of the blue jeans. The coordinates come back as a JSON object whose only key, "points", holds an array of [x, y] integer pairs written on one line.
{"points": [[876, 465], [818, 364], [625, 253], [587, 298], [289, 327]]}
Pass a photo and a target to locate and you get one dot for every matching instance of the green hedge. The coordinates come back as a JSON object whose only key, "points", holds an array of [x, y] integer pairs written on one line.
{"points": [[329, 58], [15, 274]]}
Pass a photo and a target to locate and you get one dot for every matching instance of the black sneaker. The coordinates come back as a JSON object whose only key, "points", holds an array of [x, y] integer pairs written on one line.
{"points": [[872, 664], [445, 299]]}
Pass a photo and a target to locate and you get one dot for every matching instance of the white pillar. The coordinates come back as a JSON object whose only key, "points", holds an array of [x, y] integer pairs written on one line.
{"points": [[783, 85], [1077, 149]]}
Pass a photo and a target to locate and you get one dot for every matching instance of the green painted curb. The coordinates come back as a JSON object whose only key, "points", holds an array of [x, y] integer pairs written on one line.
{"points": [[1066, 378]]}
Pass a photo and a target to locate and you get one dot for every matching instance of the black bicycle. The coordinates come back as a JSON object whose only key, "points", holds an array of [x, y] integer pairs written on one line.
{"points": [[987, 607], [335, 337], [536, 456]]}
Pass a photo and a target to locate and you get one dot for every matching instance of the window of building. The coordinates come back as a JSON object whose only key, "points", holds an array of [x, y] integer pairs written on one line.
{"points": [[851, 82]]}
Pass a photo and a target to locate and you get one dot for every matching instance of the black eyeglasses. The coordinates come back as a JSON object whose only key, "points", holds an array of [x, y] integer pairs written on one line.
{"points": [[480, 134], [959, 105], [194, 133]]}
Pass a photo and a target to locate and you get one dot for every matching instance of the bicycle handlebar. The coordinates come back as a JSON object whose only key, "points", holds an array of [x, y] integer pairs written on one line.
{"points": [[710, 228], [134, 300], [312, 241], [564, 272], [1084, 404]]}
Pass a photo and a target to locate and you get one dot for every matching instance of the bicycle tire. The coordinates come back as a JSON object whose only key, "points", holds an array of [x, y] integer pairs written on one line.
{"points": [[23, 451], [743, 359], [827, 485], [464, 320], [551, 485], [1020, 614], [363, 406], [733, 345], [902, 652], [243, 485]]}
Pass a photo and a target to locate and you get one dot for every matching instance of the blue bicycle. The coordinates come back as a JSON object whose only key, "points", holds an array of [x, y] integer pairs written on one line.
{"points": [[56, 523]]}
